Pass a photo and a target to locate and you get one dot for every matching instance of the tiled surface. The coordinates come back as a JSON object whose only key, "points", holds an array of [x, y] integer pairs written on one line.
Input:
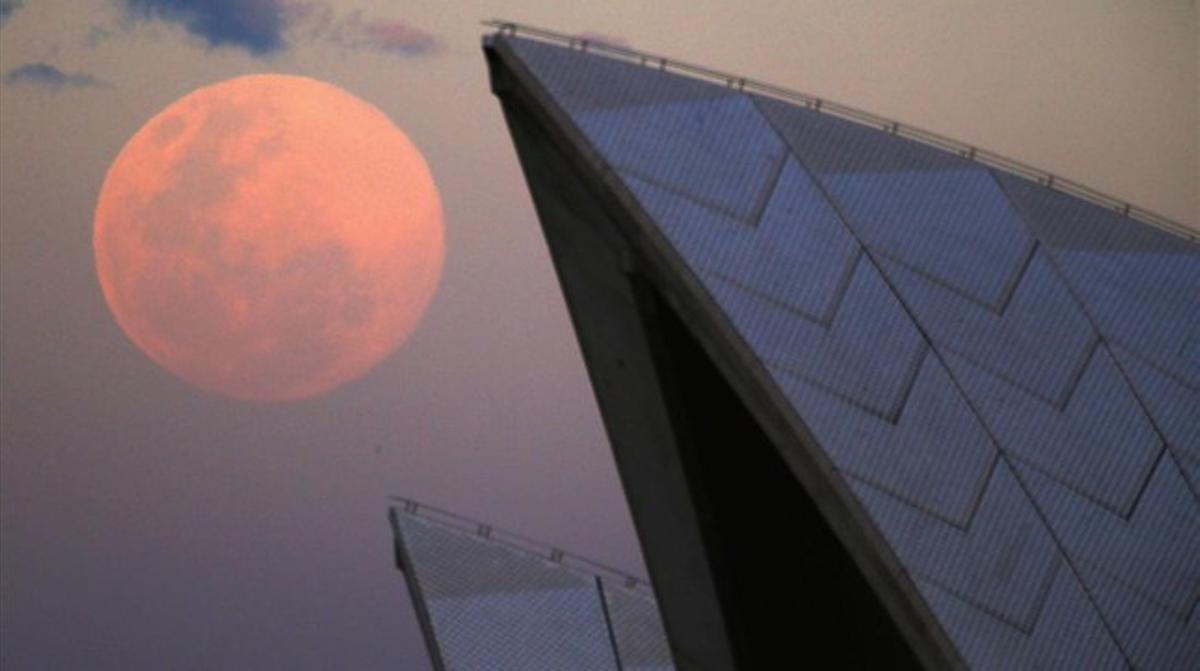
{"points": [[1068, 634], [1099, 443], [859, 344], [935, 457], [1150, 640], [1038, 340], [808, 267], [720, 144], [1008, 377], [1130, 550], [1141, 286], [933, 211], [1004, 562], [1174, 407], [637, 629], [495, 606]]}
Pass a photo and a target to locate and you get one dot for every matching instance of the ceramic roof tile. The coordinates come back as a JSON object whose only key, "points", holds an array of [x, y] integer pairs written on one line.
{"points": [[1068, 634], [1150, 640], [1153, 552], [712, 146], [936, 324], [637, 630], [583, 82], [927, 208], [934, 456], [1139, 284], [495, 607], [718, 151], [863, 347], [799, 252], [1038, 340], [1004, 563], [1099, 443], [1174, 408]]}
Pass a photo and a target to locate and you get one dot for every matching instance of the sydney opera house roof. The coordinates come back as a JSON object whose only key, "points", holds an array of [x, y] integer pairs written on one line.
{"points": [[872, 394], [490, 599]]}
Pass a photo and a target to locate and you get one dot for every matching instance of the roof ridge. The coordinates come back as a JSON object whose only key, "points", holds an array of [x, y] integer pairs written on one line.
{"points": [[846, 112], [514, 541]]}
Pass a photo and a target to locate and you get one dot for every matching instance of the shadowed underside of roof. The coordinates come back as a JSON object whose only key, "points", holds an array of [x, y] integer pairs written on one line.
{"points": [[1003, 377]]}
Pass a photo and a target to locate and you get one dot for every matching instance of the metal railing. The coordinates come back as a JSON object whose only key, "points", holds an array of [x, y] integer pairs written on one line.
{"points": [[815, 103], [522, 544]]}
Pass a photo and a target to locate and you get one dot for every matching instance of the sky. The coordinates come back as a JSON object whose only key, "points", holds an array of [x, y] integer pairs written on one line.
{"points": [[145, 523]]}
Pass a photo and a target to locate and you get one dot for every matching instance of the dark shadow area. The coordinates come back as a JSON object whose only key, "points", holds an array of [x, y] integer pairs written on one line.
{"points": [[748, 573], [790, 591]]}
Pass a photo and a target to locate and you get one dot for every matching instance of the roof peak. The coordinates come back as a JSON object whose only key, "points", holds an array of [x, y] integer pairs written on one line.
{"points": [[970, 152]]}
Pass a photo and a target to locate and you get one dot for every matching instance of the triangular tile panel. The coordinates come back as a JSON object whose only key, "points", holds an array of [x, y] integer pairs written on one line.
{"points": [[1140, 285], [1174, 408], [493, 606], [1100, 443], [935, 456], [1154, 552], [637, 629], [1068, 634], [799, 252], [1006, 376], [927, 208], [1039, 340], [868, 351], [693, 139], [1004, 563], [718, 151], [1150, 640]]}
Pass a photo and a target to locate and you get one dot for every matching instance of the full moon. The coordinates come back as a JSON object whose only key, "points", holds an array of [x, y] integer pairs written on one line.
{"points": [[268, 237]]}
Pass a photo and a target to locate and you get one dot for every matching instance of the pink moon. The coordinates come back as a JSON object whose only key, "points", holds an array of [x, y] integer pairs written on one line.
{"points": [[269, 238]]}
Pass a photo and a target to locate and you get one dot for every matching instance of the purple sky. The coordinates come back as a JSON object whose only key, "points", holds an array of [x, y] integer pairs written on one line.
{"points": [[148, 524]]}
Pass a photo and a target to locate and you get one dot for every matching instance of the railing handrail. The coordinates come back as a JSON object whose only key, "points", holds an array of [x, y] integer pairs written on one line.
{"points": [[818, 104], [525, 544]]}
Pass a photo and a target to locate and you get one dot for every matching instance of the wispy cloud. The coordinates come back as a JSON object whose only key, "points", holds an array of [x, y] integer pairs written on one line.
{"points": [[263, 27], [7, 7], [49, 77], [397, 37], [255, 25], [317, 22]]}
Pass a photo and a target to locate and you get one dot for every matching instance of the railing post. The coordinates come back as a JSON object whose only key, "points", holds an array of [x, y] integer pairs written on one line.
{"points": [[816, 104], [612, 635]]}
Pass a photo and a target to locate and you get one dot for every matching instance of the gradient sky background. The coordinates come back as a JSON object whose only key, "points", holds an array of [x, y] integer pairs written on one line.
{"points": [[148, 524]]}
